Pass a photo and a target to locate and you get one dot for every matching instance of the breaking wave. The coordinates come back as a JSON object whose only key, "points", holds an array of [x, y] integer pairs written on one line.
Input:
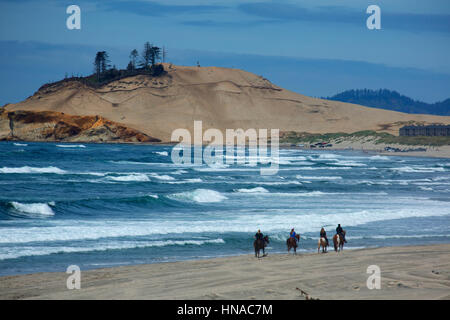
{"points": [[27, 169], [42, 209], [199, 195]]}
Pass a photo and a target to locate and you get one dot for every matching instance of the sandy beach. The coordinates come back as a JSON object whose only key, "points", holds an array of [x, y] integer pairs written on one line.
{"points": [[368, 146], [412, 272]]}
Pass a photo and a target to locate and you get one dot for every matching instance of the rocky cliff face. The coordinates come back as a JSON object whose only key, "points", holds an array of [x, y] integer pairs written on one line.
{"points": [[57, 126]]}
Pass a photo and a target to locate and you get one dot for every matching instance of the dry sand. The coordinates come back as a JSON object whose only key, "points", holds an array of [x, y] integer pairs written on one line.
{"points": [[431, 151], [412, 272]]}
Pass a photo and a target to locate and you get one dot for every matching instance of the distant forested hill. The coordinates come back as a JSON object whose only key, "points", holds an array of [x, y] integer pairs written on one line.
{"points": [[392, 100]]}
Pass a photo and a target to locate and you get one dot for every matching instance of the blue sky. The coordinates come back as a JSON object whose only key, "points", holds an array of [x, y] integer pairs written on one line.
{"points": [[314, 47]]}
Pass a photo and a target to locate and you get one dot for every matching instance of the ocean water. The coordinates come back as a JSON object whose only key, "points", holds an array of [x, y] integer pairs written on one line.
{"points": [[101, 205]]}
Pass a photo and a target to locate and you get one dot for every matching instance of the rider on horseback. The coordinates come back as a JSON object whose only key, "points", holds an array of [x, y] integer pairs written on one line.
{"points": [[293, 235], [259, 236], [323, 234], [341, 232]]}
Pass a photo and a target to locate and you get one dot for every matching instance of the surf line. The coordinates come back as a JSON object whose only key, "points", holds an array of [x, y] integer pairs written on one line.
{"points": [[236, 141]]}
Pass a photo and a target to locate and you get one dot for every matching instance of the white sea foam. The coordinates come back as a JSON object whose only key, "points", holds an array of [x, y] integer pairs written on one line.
{"points": [[319, 177], [193, 180], [200, 195], [270, 220], [179, 172], [162, 177], [42, 209], [27, 169], [273, 183], [408, 169], [162, 153], [20, 144], [373, 182], [253, 190], [71, 146], [328, 156], [24, 251], [378, 157], [130, 177], [349, 163], [316, 168]]}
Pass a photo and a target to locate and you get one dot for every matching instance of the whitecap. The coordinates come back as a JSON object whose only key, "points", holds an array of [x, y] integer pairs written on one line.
{"points": [[25, 251], [319, 177], [162, 177], [130, 177], [378, 157], [408, 169], [27, 169], [71, 146], [252, 190], [200, 195], [34, 208]]}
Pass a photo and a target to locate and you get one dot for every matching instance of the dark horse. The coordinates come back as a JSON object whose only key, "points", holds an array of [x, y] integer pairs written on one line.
{"points": [[338, 241], [291, 243], [260, 245]]}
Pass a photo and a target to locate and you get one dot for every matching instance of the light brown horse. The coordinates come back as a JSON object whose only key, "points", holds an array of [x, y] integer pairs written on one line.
{"points": [[338, 242], [322, 243], [260, 245], [291, 243]]}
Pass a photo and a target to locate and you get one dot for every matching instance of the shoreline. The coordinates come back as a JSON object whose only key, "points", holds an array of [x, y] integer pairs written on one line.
{"points": [[407, 272], [349, 146]]}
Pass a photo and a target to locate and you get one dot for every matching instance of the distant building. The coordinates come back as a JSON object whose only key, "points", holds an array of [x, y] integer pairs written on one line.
{"points": [[431, 130]]}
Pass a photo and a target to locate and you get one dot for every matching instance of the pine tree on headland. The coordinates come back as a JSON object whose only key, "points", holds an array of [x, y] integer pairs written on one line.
{"points": [[133, 58], [155, 54], [150, 55], [101, 63], [105, 62], [146, 55]]}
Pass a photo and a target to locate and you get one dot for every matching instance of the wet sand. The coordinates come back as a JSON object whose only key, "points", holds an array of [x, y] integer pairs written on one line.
{"points": [[411, 272]]}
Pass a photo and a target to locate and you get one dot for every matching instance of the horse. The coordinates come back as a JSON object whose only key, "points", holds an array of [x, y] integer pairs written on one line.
{"points": [[322, 243], [338, 242], [291, 243], [259, 244]]}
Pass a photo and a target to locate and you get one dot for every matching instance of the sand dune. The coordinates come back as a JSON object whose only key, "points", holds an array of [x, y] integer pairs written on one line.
{"points": [[222, 98], [414, 272]]}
